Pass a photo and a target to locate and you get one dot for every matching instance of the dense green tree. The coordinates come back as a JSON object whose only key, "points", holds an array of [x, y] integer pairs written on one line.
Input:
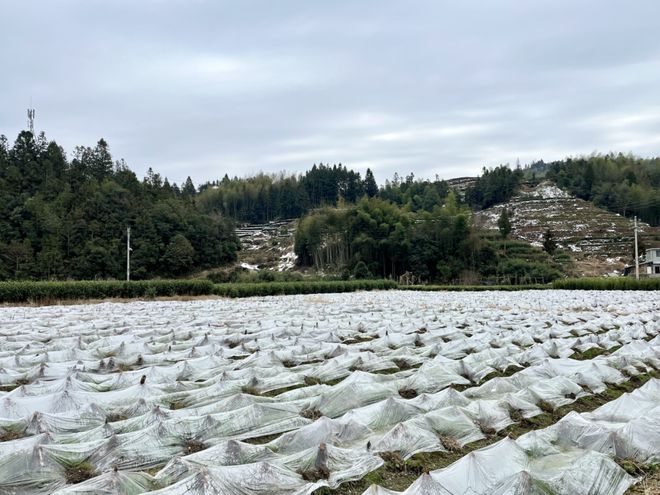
{"points": [[370, 186], [361, 271], [494, 186], [504, 223], [179, 255], [188, 190]]}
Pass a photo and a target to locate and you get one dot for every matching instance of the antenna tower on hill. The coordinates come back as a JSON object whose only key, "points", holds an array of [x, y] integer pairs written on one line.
{"points": [[31, 114]]}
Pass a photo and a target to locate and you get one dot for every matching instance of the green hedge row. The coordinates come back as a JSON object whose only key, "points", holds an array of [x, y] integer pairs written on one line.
{"points": [[619, 283], [461, 288], [28, 291], [283, 288]]}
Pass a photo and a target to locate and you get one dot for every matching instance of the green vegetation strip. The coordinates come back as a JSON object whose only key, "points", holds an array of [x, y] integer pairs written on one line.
{"points": [[397, 474], [284, 288], [614, 283], [48, 292], [44, 292], [461, 288]]}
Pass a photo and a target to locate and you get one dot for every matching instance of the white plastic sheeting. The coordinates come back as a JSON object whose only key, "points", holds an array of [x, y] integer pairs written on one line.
{"points": [[574, 455], [626, 428], [259, 384]]}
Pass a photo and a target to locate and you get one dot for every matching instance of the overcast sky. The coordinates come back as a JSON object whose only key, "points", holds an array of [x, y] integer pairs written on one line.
{"points": [[204, 88]]}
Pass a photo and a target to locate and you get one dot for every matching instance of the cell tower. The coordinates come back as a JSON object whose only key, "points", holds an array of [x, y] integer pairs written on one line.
{"points": [[31, 113]]}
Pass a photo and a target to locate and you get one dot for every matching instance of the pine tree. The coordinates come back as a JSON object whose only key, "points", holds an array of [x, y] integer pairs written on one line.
{"points": [[188, 188], [370, 186]]}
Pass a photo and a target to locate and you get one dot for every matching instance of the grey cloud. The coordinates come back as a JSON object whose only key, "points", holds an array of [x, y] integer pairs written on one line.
{"points": [[204, 88]]}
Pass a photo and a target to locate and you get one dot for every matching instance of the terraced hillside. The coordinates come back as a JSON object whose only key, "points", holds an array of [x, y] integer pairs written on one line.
{"points": [[267, 246], [600, 242], [413, 393]]}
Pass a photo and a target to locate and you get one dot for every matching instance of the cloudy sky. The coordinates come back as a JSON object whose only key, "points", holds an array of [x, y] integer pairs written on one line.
{"points": [[204, 88]]}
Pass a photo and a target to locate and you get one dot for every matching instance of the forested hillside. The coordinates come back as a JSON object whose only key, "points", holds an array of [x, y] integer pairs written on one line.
{"points": [[621, 183], [264, 197], [62, 218]]}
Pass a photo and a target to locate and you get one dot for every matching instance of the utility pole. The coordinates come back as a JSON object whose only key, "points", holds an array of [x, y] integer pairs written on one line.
{"points": [[128, 254], [636, 253]]}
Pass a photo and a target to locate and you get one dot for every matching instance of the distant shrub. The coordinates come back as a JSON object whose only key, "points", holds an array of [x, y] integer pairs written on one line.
{"points": [[361, 271], [224, 276], [562, 257], [521, 271]]}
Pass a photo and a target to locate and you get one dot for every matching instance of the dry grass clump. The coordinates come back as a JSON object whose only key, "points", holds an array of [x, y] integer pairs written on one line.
{"points": [[310, 381], [515, 414], [545, 406], [408, 393], [402, 364], [320, 470], [450, 443], [393, 461], [247, 389], [113, 417], [192, 446], [486, 429], [80, 472], [9, 434], [311, 413]]}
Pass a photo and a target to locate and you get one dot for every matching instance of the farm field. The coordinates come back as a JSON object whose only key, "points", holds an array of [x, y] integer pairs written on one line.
{"points": [[530, 392]]}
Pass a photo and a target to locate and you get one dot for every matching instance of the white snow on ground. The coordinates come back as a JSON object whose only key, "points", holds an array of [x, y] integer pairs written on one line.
{"points": [[250, 267], [133, 387], [546, 190], [287, 261]]}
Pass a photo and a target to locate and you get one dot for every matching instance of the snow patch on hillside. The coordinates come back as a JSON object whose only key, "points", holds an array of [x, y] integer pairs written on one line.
{"points": [[546, 190], [267, 246], [598, 240]]}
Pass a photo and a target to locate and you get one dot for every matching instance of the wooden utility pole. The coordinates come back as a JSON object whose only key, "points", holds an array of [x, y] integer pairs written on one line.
{"points": [[636, 253], [128, 254]]}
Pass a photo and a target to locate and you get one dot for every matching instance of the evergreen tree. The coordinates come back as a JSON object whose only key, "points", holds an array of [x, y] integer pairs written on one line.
{"points": [[370, 186], [504, 224], [188, 190], [100, 161], [179, 256], [549, 244]]}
